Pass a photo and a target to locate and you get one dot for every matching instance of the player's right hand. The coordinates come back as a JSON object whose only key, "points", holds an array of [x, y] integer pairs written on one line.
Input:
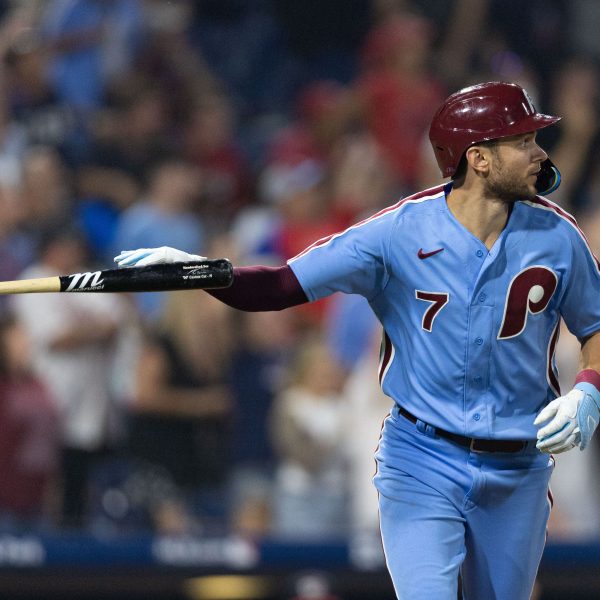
{"points": [[143, 257]]}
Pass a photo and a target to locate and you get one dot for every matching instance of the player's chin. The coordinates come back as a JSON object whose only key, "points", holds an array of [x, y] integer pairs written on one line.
{"points": [[517, 193], [531, 191], [528, 190]]}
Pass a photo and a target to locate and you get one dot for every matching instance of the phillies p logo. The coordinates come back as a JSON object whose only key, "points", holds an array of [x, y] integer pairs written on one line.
{"points": [[529, 293]]}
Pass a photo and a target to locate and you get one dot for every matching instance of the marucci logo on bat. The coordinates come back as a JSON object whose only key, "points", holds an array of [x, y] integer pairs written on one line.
{"points": [[81, 281]]}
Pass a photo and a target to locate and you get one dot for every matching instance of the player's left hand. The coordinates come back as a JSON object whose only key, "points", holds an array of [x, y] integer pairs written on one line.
{"points": [[143, 257], [573, 420]]}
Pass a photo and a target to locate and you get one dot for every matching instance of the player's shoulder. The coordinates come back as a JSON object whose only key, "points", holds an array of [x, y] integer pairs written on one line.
{"points": [[545, 211], [430, 199], [418, 203], [545, 215], [379, 225], [425, 198]]}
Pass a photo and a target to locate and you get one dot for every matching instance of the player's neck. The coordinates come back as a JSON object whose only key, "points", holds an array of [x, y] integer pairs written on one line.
{"points": [[484, 217]]}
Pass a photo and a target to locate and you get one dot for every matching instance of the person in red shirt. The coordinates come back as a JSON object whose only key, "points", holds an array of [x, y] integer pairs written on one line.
{"points": [[396, 93], [29, 442]]}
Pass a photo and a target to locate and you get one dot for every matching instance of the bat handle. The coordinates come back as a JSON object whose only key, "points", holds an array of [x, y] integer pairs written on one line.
{"points": [[28, 286]]}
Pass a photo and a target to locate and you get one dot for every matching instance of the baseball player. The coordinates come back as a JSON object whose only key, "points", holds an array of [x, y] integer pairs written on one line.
{"points": [[470, 280]]}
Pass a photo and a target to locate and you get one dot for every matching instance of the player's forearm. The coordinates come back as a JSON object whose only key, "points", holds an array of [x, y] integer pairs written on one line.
{"points": [[590, 353], [261, 288]]}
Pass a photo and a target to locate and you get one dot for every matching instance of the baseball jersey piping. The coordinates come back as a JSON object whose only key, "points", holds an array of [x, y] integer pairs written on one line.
{"points": [[542, 203], [551, 377], [387, 357]]}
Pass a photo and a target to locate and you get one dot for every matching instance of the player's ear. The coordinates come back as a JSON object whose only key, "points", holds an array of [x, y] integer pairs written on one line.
{"points": [[478, 158]]}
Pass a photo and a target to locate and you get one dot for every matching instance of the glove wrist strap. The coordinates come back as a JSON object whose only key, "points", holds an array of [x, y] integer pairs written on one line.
{"points": [[588, 376], [588, 381]]}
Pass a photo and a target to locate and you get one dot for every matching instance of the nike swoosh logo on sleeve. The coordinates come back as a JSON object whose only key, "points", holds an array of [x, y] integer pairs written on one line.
{"points": [[422, 255]]}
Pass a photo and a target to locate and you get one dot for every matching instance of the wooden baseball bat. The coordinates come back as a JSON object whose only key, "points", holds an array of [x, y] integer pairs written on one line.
{"points": [[206, 274]]}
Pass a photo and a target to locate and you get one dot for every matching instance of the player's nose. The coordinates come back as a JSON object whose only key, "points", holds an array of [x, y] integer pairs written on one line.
{"points": [[540, 154]]}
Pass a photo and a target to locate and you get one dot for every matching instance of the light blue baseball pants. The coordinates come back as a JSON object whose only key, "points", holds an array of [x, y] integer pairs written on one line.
{"points": [[445, 510]]}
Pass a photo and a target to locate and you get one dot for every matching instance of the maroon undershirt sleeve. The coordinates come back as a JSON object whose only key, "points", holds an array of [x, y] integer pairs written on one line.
{"points": [[262, 288]]}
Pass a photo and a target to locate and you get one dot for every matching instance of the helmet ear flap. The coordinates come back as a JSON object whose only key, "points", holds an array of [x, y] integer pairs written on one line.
{"points": [[548, 179]]}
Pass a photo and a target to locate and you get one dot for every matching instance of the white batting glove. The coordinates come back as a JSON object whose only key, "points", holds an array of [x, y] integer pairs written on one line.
{"points": [[562, 432], [143, 257], [575, 417]]}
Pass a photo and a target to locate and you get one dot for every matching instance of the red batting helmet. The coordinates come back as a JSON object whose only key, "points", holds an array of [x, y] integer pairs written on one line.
{"points": [[478, 113]]}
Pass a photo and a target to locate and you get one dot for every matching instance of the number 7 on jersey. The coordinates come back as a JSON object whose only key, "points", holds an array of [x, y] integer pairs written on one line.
{"points": [[438, 301]]}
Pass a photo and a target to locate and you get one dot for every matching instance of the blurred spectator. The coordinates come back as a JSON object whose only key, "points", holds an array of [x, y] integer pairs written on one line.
{"points": [[72, 33], [170, 61], [17, 249], [299, 196], [258, 369], [574, 144], [367, 407], [123, 33], [308, 426], [46, 190], [396, 92], [318, 122], [165, 216], [30, 441], [460, 28], [361, 181], [44, 116], [13, 138], [210, 144], [301, 213], [296, 169], [89, 42], [130, 135], [73, 342], [179, 418]]}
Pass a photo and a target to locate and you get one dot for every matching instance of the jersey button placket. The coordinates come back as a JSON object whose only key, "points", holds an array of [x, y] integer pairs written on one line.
{"points": [[479, 341]]}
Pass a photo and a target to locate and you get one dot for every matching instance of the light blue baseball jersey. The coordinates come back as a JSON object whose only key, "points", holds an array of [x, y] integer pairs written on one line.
{"points": [[469, 334]]}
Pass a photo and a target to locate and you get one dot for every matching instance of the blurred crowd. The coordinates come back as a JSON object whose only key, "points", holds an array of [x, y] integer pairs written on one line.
{"points": [[246, 129]]}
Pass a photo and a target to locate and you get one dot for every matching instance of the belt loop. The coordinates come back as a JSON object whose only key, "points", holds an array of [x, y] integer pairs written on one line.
{"points": [[426, 428], [472, 447]]}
